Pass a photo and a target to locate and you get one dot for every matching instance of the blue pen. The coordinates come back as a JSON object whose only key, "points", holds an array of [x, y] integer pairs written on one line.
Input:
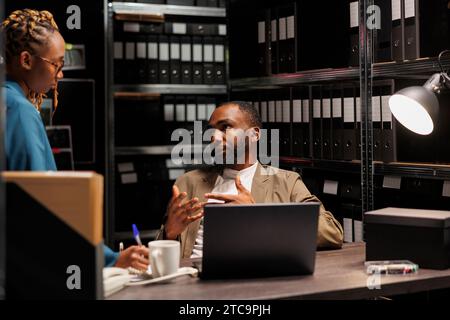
{"points": [[136, 235]]}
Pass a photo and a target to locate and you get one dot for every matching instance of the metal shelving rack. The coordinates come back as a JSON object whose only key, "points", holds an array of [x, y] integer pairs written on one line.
{"points": [[141, 12]]}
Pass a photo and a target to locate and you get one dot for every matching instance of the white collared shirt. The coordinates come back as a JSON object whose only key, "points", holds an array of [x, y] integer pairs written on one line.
{"points": [[225, 184]]}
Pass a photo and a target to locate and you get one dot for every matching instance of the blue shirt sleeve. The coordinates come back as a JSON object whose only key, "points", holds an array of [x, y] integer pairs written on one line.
{"points": [[110, 256]]}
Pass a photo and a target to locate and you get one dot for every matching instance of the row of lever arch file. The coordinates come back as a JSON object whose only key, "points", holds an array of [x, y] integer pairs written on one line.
{"points": [[327, 123], [148, 57]]}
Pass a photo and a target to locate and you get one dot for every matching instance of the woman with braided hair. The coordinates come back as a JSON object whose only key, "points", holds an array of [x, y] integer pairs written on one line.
{"points": [[34, 55]]}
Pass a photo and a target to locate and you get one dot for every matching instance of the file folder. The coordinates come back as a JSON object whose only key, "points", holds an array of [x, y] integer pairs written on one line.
{"points": [[153, 59], [326, 124], [263, 32], [398, 53], [349, 131], [353, 8], [274, 49], [186, 60], [175, 60], [197, 60], [287, 38], [119, 67], [388, 132], [337, 123], [382, 37], [164, 58], [208, 60], [297, 132], [285, 130], [317, 138], [377, 125], [358, 131], [141, 58], [219, 60]]}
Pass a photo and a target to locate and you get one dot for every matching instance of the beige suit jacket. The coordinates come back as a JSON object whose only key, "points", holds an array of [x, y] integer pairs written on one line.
{"points": [[281, 186]]}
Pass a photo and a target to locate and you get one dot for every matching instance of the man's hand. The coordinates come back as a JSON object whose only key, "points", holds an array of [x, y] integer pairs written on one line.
{"points": [[179, 215], [134, 256], [244, 196]]}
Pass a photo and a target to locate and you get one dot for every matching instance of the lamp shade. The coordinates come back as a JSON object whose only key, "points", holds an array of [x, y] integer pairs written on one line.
{"points": [[416, 108]]}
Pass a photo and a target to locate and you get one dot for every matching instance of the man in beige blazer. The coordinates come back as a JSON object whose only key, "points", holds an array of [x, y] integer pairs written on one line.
{"points": [[272, 185]]}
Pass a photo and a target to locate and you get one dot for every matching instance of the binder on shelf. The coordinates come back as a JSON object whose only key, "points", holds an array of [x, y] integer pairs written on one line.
{"points": [[337, 124], [317, 138], [388, 132], [285, 128], [197, 60], [349, 131], [186, 60], [287, 38], [274, 50], [219, 60], [353, 8], [164, 60], [377, 125], [382, 36], [297, 127], [141, 58], [306, 126], [201, 109], [327, 137], [153, 59], [208, 60], [397, 30], [130, 64], [175, 60], [119, 62], [411, 27], [263, 43]]}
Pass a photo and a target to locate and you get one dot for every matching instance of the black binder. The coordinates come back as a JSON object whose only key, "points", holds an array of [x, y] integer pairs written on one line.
{"points": [[327, 137], [382, 37], [349, 131], [297, 132], [153, 59], [274, 48], [141, 58], [263, 50], [175, 60], [164, 58], [317, 137], [219, 60], [388, 132], [377, 125], [119, 61], [287, 29], [353, 7], [337, 123], [186, 60], [130, 64], [197, 60], [397, 30], [208, 60]]}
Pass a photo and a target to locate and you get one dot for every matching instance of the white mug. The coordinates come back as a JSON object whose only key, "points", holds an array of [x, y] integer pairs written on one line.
{"points": [[164, 257]]}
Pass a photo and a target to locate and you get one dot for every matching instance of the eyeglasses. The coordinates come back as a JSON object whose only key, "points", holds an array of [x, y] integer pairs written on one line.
{"points": [[58, 66]]}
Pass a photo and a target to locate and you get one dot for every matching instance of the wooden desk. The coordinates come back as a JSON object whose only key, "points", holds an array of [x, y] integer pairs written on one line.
{"points": [[339, 274]]}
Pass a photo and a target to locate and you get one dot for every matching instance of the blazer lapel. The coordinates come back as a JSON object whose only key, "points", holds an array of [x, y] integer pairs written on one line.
{"points": [[259, 185]]}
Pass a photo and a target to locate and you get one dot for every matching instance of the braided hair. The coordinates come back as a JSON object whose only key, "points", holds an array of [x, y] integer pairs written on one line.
{"points": [[27, 30]]}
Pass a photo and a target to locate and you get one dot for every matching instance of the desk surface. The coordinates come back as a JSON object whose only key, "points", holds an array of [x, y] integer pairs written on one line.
{"points": [[339, 274]]}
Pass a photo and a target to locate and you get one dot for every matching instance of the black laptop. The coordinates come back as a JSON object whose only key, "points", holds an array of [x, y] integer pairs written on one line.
{"points": [[259, 240]]}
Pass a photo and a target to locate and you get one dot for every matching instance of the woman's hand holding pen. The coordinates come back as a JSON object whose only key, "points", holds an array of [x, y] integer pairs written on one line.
{"points": [[134, 256]]}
